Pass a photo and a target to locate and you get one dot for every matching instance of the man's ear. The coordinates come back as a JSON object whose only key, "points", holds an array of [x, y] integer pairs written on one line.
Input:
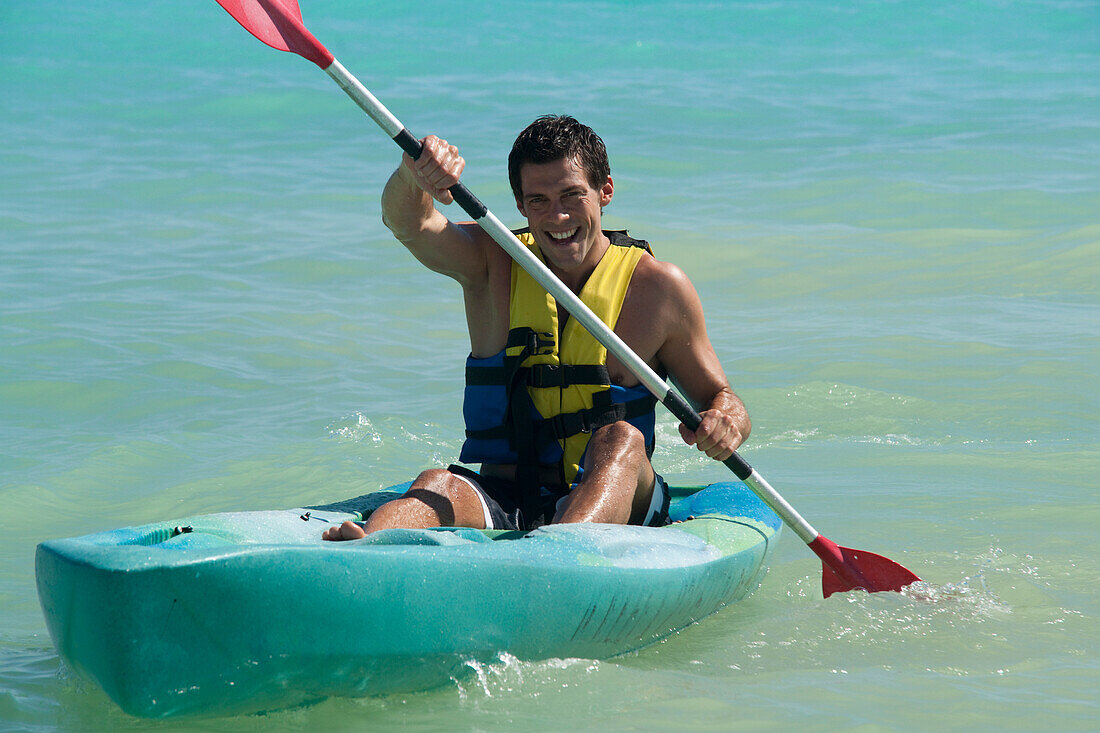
{"points": [[607, 191], [519, 205]]}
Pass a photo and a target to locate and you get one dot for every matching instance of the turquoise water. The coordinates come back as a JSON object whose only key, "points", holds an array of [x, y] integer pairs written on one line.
{"points": [[889, 210]]}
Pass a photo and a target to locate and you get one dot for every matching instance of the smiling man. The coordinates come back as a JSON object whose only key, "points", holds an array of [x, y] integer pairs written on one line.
{"points": [[561, 430]]}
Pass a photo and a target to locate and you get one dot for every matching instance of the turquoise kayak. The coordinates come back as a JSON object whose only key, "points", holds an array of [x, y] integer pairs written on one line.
{"points": [[251, 611]]}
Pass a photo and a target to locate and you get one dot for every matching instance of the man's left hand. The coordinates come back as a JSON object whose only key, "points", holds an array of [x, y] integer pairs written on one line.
{"points": [[718, 435]]}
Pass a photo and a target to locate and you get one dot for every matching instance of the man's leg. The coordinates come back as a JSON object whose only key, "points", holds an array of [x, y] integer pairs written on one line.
{"points": [[618, 480], [437, 498]]}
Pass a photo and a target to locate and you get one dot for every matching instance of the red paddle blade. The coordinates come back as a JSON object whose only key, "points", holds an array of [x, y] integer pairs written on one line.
{"points": [[278, 23], [844, 569]]}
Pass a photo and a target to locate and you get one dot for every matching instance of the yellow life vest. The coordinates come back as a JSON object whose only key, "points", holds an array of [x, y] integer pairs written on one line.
{"points": [[535, 403], [532, 307]]}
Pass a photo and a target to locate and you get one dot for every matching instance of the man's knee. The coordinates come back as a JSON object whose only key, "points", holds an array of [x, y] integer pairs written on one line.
{"points": [[433, 477], [621, 435], [437, 481], [450, 498]]}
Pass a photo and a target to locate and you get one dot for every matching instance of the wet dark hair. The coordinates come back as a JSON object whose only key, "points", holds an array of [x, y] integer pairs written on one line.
{"points": [[557, 137]]}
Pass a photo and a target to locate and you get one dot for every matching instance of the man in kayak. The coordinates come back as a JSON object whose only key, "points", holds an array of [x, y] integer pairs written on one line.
{"points": [[563, 432]]}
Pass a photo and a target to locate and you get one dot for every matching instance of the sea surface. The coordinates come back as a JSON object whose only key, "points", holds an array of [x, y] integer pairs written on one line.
{"points": [[891, 212]]}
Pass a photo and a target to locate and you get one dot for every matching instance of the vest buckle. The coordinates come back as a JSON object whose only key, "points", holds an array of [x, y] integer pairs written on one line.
{"points": [[546, 375], [572, 423], [586, 424], [539, 343]]}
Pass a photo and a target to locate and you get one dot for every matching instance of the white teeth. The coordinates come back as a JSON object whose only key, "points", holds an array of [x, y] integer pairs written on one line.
{"points": [[563, 235]]}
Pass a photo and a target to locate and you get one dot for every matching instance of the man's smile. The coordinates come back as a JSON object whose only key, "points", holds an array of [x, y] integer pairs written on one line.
{"points": [[561, 236]]}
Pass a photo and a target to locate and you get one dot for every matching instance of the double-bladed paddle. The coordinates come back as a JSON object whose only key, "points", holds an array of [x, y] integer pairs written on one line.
{"points": [[278, 23]]}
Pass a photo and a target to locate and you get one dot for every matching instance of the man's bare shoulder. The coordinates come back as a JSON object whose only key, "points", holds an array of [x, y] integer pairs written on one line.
{"points": [[662, 282], [660, 303]]}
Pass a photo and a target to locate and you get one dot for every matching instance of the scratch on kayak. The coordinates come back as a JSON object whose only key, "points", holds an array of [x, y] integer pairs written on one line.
{"points": [[584, 621], [168, 616]]}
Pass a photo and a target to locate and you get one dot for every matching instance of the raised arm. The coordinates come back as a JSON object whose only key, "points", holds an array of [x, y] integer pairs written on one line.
{"points": [[408, 210]]}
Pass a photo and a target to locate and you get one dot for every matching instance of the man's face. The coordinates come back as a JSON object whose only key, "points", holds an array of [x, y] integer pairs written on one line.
{"points": [[563, 212]]}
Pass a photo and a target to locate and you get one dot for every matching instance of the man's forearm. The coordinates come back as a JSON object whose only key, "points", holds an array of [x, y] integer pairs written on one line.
{"points": [[406, 208]]}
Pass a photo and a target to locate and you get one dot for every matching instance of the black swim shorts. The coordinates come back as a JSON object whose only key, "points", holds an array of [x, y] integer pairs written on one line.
{"points": [[502, 512]]}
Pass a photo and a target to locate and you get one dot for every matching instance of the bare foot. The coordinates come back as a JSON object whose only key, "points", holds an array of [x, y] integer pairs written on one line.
{"points": [[346, 531]]}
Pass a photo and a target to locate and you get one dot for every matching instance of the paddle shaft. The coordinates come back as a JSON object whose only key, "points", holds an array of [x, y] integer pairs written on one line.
{"points": [[526, 259]]}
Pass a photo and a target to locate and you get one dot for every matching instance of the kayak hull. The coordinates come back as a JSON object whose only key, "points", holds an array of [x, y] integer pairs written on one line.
{"points": [[251, 611]]}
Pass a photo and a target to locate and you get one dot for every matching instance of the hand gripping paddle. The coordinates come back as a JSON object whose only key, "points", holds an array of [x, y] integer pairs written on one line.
{"points": [[278, 23]]}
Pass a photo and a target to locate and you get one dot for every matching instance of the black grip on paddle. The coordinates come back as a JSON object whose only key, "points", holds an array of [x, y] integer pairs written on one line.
{"points": [[408, 143], [681, 410], [469, 203], [686, 414], [740, 468]]}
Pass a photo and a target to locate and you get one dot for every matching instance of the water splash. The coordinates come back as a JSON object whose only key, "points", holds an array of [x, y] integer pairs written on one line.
{"points": [[508, 674], [969, 599], [857, 629], [972, 593], [355, 428]]}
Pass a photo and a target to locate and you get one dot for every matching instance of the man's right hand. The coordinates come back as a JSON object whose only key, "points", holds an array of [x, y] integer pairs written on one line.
{"points": [[437, 169]]}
